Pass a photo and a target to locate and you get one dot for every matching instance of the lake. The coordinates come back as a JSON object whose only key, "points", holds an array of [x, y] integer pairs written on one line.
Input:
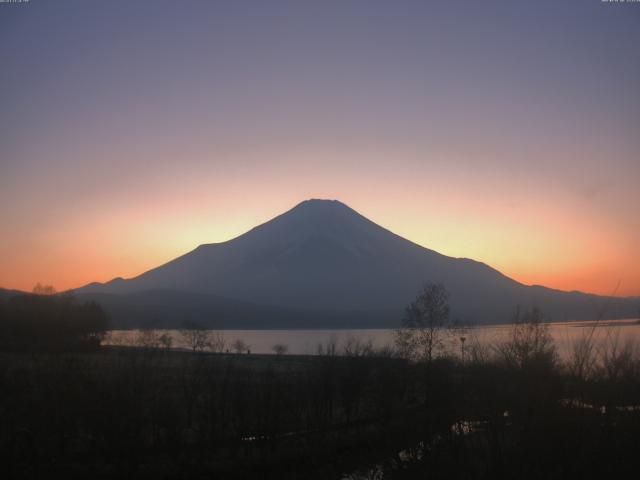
{"points": [[305, 342]]}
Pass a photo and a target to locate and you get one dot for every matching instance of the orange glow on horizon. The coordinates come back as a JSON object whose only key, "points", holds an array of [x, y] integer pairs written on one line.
{"points": [[494, 139], [547, 249]]}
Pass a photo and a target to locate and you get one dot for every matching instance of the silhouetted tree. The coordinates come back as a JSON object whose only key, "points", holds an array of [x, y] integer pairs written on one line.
{"points": [[52, 322], [165, 341], [355, 347], [280, 349], [217, 342], [40, 289], [422, 328], [239, 346], [148, 338], [195, 336], [529, 343], [329, 347]]}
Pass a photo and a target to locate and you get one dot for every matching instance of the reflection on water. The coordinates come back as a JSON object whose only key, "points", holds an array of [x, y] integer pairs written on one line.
{"points": [[306, 342]]}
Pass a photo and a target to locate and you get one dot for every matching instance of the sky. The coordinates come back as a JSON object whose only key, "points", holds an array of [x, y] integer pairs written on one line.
{"points": [[503, 131]]}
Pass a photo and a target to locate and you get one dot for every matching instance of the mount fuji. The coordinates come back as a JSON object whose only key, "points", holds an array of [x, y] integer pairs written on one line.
{"points": [[322, 264]]}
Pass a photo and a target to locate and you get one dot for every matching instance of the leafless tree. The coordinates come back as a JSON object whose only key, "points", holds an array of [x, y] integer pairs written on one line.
{"points": [[617, 357], [148, 338], [583, 360], [239, 346], [328, 348], [166, 341], [529, 343], [356, 347], [195, 336], [217, 342], [420, 336], [280, 349]]}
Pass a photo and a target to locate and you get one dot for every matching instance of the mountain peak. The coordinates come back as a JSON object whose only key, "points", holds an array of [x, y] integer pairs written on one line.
{"points": [[318, 215], [320, 200], [320, 203], [323, 255]]}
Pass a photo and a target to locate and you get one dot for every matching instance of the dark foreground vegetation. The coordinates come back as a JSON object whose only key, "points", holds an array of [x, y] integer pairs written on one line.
{"points": [[54, 323], [131, 413], [512, 410]]}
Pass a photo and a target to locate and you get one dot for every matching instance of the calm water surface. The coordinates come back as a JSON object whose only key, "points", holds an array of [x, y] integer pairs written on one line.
{"points": [[307, 341]]}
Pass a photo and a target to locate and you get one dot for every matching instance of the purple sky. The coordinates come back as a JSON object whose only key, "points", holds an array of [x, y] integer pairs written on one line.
{"points": [[506, 131]]}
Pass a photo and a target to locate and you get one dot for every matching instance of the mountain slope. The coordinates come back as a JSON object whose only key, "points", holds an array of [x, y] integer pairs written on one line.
{"points": [[5, 294], [324, 255]]}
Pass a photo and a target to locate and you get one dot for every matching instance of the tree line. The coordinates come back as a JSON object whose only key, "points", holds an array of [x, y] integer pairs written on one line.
{"points": [[44, 321]]}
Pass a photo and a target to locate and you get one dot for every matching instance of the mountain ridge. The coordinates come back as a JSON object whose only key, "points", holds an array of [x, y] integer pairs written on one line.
{"points": [[321, 255]]}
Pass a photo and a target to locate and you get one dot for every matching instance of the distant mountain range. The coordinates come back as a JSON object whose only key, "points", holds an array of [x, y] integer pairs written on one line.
{"points": [[321, 264], [6, 294]]}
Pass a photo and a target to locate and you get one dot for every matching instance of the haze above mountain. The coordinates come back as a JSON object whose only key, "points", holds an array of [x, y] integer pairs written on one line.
{"points": [[322, 259]]}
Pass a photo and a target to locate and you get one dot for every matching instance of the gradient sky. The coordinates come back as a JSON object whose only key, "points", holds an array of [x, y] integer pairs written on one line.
{"points": [[504, 131]]}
